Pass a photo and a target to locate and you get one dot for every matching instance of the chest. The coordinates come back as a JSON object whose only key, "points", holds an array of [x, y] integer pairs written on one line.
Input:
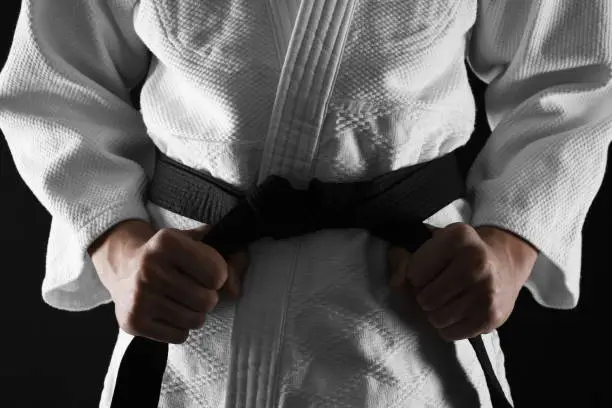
{"points": [[387, 39]]}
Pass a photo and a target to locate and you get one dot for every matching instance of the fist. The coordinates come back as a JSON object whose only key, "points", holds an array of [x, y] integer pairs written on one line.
{"points": [[165, 287], [466, 280]]}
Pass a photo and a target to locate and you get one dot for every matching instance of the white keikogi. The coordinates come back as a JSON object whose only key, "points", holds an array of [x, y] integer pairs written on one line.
{"points": [[350, 90]]}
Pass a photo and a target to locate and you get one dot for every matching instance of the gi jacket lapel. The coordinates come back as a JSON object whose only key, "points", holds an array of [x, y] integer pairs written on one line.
{"points": [[305, 88]]}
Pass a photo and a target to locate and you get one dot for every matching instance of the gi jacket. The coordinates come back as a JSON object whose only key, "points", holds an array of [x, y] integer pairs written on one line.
{"points": [[338, 90]]}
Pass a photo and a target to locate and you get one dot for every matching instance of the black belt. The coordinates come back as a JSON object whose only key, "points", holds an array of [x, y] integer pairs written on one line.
{"points": [[392, 207]]}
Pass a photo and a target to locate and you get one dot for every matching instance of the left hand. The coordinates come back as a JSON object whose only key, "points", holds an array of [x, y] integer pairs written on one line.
{"points": [[466, 280]]}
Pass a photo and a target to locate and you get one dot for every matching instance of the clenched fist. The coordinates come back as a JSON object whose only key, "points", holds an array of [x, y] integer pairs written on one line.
{"points": [[466, 280], [163, 283]]}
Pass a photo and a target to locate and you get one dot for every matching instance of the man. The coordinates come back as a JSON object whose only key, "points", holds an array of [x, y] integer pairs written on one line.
{"points": [[335, 90]]}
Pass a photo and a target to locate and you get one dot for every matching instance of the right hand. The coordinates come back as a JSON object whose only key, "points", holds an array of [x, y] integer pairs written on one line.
{"points": [[163, 283]]}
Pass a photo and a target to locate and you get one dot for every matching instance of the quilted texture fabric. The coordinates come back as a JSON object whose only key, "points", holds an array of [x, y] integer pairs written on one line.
{"points": [[316, 328], [365, 87]]}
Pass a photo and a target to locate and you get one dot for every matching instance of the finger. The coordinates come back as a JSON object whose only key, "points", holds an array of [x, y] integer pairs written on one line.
{"points": [[428, 261], [197, 233], [164, 333], [238, 265], [453, 280], [198, 260], [183, 289], [456, 310], [397, 261], [174, 314], [467, 328], [437, 253]]}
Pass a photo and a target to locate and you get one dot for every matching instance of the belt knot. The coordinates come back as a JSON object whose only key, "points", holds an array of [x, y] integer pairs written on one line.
{"points": [[281, 211]]}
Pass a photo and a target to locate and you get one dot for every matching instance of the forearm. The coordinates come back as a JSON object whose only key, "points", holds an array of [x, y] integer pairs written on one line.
{"points": [[548, 74], [77, 142]]}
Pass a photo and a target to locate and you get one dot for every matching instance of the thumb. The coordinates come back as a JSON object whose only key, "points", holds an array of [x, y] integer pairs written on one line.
{"points": [[197, 233], [237, 264], [398, 260]]}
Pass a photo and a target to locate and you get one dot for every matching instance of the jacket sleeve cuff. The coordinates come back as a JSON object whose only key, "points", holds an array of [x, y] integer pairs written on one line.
{"points": [[555, 279], [71, 282]]}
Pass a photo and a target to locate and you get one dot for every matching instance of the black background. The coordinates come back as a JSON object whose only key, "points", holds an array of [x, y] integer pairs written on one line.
{"points": [[53, 358]]}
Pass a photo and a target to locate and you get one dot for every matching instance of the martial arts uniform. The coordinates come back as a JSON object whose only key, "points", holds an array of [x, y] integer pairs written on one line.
{"points": [[338, 90]]}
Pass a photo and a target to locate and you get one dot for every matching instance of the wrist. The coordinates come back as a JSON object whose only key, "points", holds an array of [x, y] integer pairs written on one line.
{"points": [[125, 230], [519, 253], [117, 243]]}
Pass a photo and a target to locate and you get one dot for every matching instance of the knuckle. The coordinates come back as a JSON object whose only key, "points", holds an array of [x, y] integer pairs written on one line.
{"points": [[164, 238], [480, 261], [489, 291], [147, 260], [147, 273], [210, 300], [218, 278], [463, 228], [461, 231], [479, 258], [462, 242]]}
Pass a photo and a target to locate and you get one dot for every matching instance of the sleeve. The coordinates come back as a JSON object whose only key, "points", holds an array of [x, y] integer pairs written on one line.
{"points": [[77, 141], [549, 104]]}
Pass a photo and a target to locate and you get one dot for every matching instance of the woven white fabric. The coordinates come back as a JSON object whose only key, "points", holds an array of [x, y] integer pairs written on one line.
{"points": [[363, 87]]}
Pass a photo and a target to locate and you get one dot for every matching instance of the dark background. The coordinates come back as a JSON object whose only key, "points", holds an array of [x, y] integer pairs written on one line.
{"points": [[53, 358]]}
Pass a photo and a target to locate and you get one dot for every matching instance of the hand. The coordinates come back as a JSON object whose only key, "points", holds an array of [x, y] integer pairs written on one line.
{"points": [[466, 280], [164, 283]]}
